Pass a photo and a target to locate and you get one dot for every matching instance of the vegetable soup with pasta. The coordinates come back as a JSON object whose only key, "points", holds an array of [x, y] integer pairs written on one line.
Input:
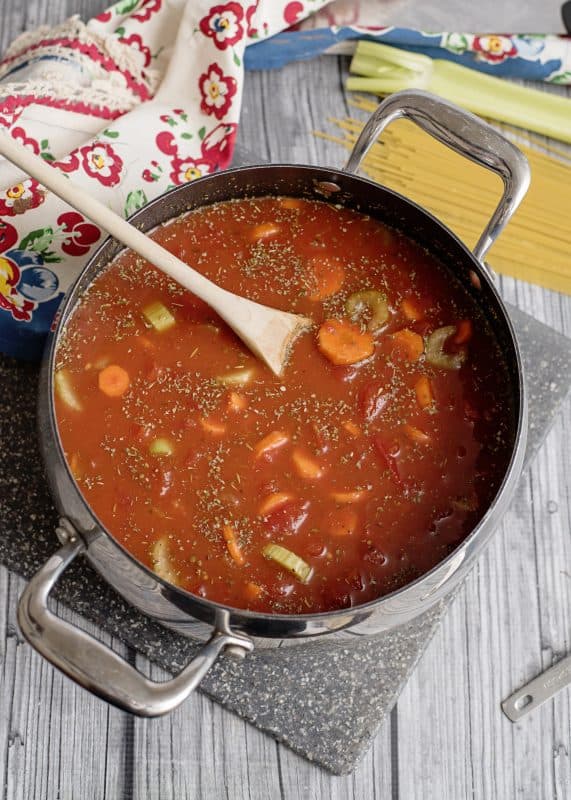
{"points": [[362, 467]]}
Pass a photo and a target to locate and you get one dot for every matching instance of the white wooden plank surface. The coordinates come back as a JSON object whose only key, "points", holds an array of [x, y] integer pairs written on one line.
{"points": [[447, 737]]}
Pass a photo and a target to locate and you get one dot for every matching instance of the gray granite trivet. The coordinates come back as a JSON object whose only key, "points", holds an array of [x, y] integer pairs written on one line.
{"points": [[325, 700]]}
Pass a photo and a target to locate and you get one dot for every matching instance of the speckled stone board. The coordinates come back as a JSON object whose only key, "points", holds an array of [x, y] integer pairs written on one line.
{"points": [[324, 699]]}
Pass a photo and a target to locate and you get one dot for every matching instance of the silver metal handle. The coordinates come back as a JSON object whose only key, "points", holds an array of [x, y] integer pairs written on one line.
{"points": [[463, 132], [93, 665], [538, 690]]}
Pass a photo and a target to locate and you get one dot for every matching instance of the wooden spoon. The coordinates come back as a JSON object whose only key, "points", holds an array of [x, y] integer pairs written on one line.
{"points": [[268, 333]]}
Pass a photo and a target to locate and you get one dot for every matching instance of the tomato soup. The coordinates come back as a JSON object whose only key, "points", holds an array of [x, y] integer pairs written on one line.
{"points": [[358, 470]]}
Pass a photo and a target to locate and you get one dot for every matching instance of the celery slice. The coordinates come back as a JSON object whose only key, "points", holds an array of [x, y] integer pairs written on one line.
{"points": [[161, 562], [371, 301], [158, 315], [383, 69], [288, 560], [161, 447], [435, 349], [65, 391]]}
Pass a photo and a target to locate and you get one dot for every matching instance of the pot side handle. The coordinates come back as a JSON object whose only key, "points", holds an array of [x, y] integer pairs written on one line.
{"points": [[97, 668], [463, 132]]}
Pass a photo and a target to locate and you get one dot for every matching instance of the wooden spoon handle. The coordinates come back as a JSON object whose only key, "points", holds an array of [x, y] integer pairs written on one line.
{"points": [[121, 230], [267, 332]]}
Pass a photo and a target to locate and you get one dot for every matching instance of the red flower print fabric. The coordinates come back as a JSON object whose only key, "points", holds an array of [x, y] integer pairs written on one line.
{"points": [[101, 162], [187, 169], [494, 48], [157, 87], [20, 135], [146, 9], [21, 197], [79, 234], [224, 24], [218, 146], [217, 91], [136, 41]]}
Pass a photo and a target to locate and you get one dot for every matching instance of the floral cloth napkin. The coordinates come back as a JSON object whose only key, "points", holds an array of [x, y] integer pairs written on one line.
{"points": [[534, 57], [147, 96], [144, 97]]}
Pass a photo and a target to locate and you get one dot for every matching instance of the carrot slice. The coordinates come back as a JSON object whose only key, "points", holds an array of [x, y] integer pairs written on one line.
{"points": [[328, 277], [237, 402], [75, 466], [344, 343], [416, 435], [274, 501], [265, 231], [351, 428], [411, 310], [348, 498], [213, 427], [424, 393], [409, 343], [270, 442], [290, 202], [307, 467], [113, 380], [252, 590], [233, 548], [463, 332], [343, 522]]}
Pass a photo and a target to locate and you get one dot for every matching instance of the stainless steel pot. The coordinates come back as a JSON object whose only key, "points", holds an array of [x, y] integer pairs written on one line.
{"points": [[91, 663]]}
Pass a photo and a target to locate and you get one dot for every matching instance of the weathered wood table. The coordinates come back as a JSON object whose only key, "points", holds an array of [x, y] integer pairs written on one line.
{"points": [[446, 738]]}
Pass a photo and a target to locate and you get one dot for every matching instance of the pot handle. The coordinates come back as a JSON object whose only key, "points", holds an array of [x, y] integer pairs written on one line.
{"points": [[465, 133], [93, 665]]}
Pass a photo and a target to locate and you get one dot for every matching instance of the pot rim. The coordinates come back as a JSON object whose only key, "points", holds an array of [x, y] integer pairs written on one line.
{"points": [[325, 174]]}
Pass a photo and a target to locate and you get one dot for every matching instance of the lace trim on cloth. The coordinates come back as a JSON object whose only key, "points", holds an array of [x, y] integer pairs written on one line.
{"points": [[98, 57], [96, 101]]}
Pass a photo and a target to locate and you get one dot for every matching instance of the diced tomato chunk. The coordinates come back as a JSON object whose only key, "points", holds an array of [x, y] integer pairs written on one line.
{"points": [[387, 460], [463, 332], [412, 309], [315, 548]]}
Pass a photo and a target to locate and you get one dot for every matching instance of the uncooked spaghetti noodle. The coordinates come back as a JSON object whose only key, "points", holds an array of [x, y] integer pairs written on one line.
{"points": [[535, 246]]}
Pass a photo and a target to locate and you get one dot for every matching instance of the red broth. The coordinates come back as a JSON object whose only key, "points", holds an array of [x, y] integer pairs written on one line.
{"points": [[205, 466]]}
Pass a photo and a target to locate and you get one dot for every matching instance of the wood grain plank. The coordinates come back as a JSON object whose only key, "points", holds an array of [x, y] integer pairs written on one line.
{"points": [[447, 738], [201, 751], [55, 737], [433, 721], [371, 780]]}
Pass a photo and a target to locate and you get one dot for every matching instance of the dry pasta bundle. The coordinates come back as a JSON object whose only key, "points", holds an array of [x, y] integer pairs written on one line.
{"points": [[536, 245]]}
